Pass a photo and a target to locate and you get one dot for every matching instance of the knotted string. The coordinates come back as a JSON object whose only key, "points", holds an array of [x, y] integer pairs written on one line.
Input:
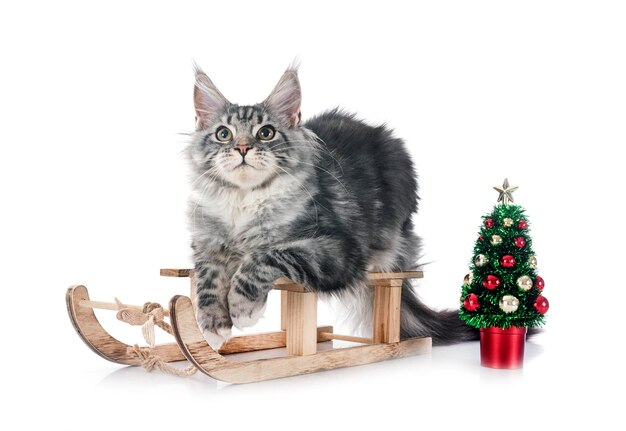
{"points": [[150, 315]]}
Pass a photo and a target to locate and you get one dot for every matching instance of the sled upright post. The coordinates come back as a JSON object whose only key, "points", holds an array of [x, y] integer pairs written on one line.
{"points": [[387, 301]]}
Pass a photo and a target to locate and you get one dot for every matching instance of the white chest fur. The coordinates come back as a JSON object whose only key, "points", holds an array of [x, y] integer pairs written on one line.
{"points": [[241, 210]]}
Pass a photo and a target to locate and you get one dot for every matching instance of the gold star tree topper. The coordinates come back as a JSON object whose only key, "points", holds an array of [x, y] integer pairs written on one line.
{"points": [[506, 192]]}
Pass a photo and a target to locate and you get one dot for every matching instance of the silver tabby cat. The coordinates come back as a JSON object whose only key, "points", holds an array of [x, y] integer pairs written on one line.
{"points": [[320, 203]]}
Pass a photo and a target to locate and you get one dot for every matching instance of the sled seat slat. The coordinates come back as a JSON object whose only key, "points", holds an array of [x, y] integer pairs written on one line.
{"points": [[171, 272], [394, 275], [374, 278], [288, 285]]}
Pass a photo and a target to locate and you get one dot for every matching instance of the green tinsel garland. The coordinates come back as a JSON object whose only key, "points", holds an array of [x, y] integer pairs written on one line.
{"points": [[489, 312]]}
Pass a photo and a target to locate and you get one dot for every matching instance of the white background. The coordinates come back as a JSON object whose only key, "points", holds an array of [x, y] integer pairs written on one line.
{"points": [[93, 101]]}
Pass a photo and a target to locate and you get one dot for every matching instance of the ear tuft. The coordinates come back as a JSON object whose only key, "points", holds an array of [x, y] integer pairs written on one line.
{"points": [[208, 101], [286, 97]]}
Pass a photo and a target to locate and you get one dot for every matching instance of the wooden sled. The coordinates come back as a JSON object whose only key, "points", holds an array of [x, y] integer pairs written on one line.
{"points": [[299, 334]]}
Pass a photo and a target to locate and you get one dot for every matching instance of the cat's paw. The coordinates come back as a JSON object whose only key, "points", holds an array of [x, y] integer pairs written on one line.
{"points": [[244, 317], [245, 307], [215, 324]]}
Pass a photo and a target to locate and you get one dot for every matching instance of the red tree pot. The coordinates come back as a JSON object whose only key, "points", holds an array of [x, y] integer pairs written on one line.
{"points": [[502, 348]]}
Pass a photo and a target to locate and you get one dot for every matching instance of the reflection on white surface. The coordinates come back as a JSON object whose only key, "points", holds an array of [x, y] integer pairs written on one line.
{"points": [[442, 362]]}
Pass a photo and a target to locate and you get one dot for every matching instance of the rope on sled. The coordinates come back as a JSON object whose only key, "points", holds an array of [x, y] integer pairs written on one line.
{"points": [[151, 361], [150, 315]]}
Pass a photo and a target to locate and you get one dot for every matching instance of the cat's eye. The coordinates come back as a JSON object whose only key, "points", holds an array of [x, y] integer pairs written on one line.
{"points": [[266, 133], [223, 134]]}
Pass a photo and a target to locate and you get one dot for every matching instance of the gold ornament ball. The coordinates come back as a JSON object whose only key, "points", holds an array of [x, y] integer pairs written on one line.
{"points": [[507, 222], [480, 260], [468, 279], [496, 240], [532, 262], [525, 282], [509, 303]]}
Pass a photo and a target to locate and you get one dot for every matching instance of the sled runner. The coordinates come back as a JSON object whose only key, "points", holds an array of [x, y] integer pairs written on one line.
{"points": [[299, 334]]}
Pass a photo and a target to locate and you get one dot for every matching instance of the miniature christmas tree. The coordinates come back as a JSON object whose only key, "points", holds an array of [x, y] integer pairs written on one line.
{"points": [[503, 289]]}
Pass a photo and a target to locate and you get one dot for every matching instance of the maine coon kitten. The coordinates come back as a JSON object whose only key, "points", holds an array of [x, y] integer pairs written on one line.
{"points": [[320, 203]]}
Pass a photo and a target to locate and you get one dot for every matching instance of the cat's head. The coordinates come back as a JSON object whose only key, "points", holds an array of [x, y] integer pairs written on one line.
{"points": [[248, 146]]}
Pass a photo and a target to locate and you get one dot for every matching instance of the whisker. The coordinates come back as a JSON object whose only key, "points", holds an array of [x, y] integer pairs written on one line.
{"points": [[306, 190], [318, 167], [213, 171], [281, 150], [193, 213], [323, 148], [200, 177]]}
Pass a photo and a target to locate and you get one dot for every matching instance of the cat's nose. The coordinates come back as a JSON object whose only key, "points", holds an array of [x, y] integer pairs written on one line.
{"points": [[242, 148]]}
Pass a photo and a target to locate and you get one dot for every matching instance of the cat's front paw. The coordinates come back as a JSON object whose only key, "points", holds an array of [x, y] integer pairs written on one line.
{"points": [[215, 323], [245, 302]]}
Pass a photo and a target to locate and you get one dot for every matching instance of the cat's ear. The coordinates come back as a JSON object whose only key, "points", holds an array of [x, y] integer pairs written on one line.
{"points": [[286, 97], [208, 101]]}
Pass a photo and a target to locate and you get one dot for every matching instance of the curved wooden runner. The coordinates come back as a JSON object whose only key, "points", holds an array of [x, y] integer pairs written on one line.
{"points": [[100, 341], [210, 362]]}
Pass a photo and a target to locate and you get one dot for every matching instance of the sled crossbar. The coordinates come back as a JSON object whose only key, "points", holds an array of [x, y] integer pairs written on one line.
{"points": [[101, 305]]}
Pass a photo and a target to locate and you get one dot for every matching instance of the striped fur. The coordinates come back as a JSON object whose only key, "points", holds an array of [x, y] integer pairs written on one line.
{"points": [[320, 203]]}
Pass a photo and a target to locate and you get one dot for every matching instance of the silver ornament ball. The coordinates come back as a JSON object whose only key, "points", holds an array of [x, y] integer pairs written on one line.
{"points": [[532, 262], [468, 279], [509, 303], [496, 240], [507, 222], [525, 282], [480, 260]]}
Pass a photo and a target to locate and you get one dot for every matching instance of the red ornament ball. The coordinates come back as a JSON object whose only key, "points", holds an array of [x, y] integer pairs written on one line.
{"points": [[520, 242], [539, 283], [471, 302], [522, 224], [541, 304], [489, 222], [507, 261], [480, 238], [491, 282]]}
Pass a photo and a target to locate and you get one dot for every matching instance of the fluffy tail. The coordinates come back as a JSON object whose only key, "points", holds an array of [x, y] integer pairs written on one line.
{"points": [[417, 320]]}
